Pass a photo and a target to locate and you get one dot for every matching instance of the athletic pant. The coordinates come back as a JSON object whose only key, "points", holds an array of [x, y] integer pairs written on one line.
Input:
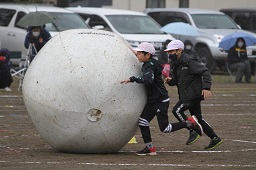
{"points": [[160, 110], [194, 109]]}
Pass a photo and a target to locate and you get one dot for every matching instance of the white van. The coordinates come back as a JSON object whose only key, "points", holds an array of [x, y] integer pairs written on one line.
{"points": [[12, 36], [134, 27]]}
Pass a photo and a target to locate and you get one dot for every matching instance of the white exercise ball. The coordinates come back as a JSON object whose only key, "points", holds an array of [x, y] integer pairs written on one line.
{"points": [[72, 92]]}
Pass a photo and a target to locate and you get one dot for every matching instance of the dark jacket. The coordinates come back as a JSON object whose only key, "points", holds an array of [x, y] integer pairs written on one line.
{"points": [[163, 57], [191, 52], [237, 54], [152, 79], [32, 39], [191, 77], [5, 75]]}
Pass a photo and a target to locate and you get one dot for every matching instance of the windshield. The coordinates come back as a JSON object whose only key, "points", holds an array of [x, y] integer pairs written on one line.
{"points": [[65, 21], [213, 21], [133, 24]]}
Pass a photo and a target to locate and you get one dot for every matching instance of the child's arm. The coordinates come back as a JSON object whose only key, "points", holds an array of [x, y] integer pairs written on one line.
{"points": [[146, 78], [125, 81]]}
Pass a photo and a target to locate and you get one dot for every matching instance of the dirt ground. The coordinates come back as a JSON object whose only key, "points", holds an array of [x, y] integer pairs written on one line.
{"points": [[230, 111]]}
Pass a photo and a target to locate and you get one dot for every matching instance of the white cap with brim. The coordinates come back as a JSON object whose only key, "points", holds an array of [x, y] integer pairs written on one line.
{"points": [[147, 47], [175, 45]]}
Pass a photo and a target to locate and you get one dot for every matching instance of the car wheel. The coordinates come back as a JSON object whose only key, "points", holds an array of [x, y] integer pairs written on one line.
{"points": [[206, 58]]}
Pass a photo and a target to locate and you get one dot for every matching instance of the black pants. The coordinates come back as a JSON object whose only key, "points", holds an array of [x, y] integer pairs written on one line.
{"points": [[160, 110], [5, 76], [194, 109]]}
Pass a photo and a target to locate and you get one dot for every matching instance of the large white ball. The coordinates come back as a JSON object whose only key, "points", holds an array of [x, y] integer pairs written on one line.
{"points": [[73, 94]]}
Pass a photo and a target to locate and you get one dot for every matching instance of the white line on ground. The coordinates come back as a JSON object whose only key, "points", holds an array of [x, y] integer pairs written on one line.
{"points": [[11, 96], [244, 141], [239, 114], [231, 104], [134, 164]]}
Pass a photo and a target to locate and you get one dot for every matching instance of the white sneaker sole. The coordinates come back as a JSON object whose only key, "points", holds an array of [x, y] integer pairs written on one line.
{"points": [[146, 154]]}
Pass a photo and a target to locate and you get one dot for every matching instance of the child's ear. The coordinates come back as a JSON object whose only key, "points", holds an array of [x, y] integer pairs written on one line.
{"points": [[148, 55]]}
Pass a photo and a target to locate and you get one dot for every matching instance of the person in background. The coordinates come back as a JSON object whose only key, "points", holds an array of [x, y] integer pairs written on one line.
{"points": [[237, 60], [37, 36], [157, 98], [193, 81], [189, 49], [163, 56], [164, 60], [5, 75]]}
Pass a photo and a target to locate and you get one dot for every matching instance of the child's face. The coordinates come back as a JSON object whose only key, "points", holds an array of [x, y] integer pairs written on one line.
{"points": [[142, 57]]}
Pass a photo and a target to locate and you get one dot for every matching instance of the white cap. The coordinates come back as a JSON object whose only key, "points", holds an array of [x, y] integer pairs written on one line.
{"points": [[147, 47], [175, 45]]}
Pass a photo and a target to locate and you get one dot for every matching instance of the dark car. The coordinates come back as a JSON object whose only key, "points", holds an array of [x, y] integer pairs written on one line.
{"points": [[245, 17]]}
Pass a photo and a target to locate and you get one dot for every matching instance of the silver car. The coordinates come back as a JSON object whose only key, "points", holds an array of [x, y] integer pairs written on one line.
{"points": [[211, 25]]}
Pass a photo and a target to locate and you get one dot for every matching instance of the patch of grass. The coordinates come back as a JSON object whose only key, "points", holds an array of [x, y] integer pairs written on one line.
{"points": [[226, 79], [221, 79]]}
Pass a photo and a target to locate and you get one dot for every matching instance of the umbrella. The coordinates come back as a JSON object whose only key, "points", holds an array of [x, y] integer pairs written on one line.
{"points": [[180, 28], [35, 19], [229, 40]]}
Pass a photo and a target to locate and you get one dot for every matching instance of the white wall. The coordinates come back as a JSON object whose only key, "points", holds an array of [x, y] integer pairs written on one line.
{"points": [[140, 5], [220, 4], [134, 5], [172, 3]]}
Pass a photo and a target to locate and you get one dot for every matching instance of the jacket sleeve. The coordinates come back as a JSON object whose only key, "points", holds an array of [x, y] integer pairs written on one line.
{"points": [[146, 78], [232, 56], [27, 41], [46, 37], [173, 81], [200, 69]]}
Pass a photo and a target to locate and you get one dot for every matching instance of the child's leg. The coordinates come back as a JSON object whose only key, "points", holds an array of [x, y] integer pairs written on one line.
{"points": [[146, 116], [162, 117], [178, 111], [195, 109]]}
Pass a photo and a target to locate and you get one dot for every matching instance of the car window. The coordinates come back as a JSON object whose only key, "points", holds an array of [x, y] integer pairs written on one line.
{"points": [[95, 20], [213, 21], [133, 24], [253, 22], [164, 18], [84, 16], [242, 18], [6, 16], [19, 16], [65, 21]]}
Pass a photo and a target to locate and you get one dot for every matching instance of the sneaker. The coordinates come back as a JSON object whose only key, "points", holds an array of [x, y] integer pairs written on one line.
{"points": [[7, 89], [195, 125], [192, 138], [147, 151], [214, 143]]}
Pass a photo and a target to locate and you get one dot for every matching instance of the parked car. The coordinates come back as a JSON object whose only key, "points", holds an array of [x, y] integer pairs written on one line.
{"points": [[12, 36], [134, 27], [211, 25], [244, 17]]}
